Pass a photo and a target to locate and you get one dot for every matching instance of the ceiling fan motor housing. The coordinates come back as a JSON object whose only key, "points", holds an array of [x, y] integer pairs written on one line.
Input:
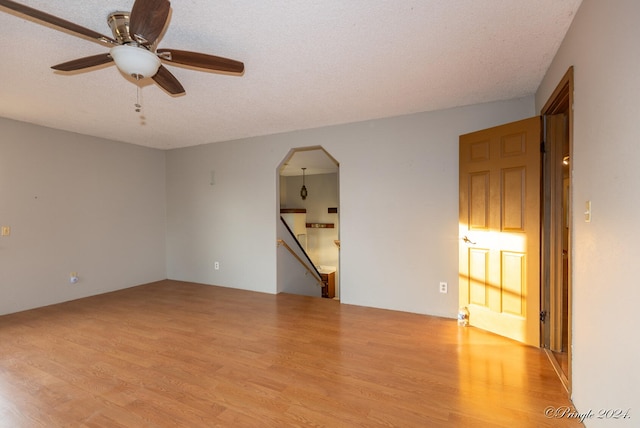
{"points": [[119, 24]]}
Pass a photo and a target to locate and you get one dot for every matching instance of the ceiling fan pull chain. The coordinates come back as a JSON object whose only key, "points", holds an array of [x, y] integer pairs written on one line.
{"points": [[138, 104], [138, 95]]}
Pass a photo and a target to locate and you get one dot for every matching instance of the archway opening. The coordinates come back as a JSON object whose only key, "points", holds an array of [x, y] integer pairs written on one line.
{"points": [[309, 202]]}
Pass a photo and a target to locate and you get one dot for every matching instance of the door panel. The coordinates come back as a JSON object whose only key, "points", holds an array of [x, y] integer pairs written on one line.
{"points": [[500, 218], [479, 201], [513, 199]]}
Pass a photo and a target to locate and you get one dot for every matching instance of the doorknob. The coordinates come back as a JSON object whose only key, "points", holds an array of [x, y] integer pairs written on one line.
{"points": [[468, 241]]}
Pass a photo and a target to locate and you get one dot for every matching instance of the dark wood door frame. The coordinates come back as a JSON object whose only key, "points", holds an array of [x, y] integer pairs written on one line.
{"points": [[556, 248]]}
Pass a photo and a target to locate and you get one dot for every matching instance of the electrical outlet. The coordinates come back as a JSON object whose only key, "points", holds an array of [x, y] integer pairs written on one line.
{"points": [[443, 287], [216, 265]]}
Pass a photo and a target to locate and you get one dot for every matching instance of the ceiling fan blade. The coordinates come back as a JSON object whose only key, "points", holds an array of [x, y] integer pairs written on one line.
{"points": [[200, 60], [168, 81], [58, 22], [86, 62], [147, 20]]}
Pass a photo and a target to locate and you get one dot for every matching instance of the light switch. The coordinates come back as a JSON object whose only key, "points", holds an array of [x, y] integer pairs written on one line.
{"points": [[5, 231], [587, 212]]}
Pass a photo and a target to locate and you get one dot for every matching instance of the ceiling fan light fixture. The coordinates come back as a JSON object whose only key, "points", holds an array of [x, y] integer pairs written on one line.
{"points": [[135, 61]]}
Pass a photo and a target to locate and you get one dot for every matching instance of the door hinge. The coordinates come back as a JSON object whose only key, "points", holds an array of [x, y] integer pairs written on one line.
{"points": [[542, 147], [543, 316]]}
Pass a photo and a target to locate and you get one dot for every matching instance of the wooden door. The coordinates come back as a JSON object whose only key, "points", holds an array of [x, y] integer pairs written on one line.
{"points": [[500, 229]]}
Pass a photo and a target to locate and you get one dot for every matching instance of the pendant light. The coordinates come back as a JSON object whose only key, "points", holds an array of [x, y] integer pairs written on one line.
{"points": [[303, 191]]}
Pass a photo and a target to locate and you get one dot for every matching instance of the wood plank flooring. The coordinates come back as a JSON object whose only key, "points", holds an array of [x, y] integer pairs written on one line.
{"points": [[175, 354]]}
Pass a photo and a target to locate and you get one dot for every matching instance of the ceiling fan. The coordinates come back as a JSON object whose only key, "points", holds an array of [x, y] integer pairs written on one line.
{"points": [[133, 46]]}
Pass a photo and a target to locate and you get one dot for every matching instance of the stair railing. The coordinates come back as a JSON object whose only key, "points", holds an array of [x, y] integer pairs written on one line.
{"points": [[315, 274], [308, 265]]}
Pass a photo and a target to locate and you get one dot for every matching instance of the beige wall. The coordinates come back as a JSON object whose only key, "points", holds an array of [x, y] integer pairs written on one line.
{"points": [[398, 206], [76, 203], [602, 45]]}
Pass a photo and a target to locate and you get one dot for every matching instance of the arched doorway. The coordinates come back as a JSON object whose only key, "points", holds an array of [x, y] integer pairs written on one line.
{"points": [[319, 232]]}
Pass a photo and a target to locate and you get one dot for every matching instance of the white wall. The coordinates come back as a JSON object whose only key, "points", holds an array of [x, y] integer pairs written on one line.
{"points": [[232, 221], [398, 206], [76, 203], [602, 45]]}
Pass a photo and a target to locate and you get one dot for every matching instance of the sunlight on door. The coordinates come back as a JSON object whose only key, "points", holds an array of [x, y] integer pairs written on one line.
{"points": [[500, 228]]}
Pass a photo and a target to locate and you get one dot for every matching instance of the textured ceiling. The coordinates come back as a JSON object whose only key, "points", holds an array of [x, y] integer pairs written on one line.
{"points": [[307, 63]]}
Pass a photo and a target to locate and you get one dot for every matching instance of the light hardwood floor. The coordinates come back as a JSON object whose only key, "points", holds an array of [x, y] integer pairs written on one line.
{"points": [[188, 355]]}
